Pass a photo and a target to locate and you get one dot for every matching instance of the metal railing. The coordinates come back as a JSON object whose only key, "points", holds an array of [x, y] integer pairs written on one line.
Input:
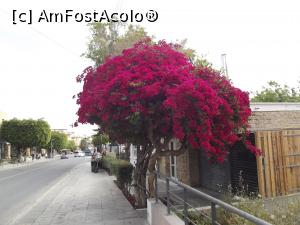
{"points": [[214, 202]]}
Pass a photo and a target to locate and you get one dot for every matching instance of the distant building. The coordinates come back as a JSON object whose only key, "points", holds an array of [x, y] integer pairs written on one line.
{"points": [[76, 139], [70, 135], [65, 131], [3, 116]]}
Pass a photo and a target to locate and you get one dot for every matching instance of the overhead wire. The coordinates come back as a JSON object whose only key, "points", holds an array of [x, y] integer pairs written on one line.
{"points": [[50, 39]]}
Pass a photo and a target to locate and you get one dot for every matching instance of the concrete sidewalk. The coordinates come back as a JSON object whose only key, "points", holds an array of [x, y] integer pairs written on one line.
{"points": [[82, 198]]}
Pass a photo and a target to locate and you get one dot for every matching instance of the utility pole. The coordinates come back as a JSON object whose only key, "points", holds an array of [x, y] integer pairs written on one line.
{"points": [[51, 149], [224, 65]]}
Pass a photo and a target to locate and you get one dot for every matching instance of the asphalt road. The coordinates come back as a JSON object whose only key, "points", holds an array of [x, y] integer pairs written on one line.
{"points": [[21, 187]]}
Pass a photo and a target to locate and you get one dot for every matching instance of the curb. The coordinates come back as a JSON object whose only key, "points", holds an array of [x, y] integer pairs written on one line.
{"points": [[16, 165]]}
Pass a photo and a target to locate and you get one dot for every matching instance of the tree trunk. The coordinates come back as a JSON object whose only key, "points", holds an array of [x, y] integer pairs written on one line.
{"points": [[152, 163], [140, 187], [151, 177], [146, 161], [20, 153], [140, 173], [15, 152]]}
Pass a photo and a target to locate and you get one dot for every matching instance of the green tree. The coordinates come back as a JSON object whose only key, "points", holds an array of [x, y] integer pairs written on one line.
{"points": [[110, 39], [197, 60], [42, 133], [84, 143], [99, 139], [96, 140], [71, 145], [58, 141], [275, 92], [26, 133]]}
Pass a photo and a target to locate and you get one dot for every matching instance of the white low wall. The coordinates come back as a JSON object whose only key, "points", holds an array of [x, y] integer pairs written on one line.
{"points": [[157, 214]]}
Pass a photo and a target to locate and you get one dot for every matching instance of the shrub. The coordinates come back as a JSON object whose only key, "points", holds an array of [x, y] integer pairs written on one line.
{"points": [[123, 171], [120, 168], [106, 162], [281, 210]]}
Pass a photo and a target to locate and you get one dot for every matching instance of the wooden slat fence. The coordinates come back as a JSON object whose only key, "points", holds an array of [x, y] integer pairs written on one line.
{"points": [[278, 167]]}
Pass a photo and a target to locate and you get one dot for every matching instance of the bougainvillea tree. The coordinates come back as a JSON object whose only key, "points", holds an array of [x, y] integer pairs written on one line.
{"points": [[152, 93]]}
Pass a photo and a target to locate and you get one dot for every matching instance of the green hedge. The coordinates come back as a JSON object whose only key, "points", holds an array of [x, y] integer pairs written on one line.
{"points": [[120, 168], [106, 162]]}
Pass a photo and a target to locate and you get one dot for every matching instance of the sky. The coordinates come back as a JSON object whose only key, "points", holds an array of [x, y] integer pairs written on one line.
{"points": [[39, 62]]}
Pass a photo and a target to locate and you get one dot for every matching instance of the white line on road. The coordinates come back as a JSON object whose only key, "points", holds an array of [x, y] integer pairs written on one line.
{"points": [[27, 209], [24, 172]]}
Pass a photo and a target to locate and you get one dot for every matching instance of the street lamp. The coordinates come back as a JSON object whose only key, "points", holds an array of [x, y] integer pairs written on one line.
{"points": [[224, 64]]}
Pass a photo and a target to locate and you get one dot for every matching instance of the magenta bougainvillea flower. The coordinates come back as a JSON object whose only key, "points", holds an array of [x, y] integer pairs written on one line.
{"points": [[156, 86]]}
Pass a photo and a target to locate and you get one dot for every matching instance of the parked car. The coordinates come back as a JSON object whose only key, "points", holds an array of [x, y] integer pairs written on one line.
{"points": [[63, 156], [88, 153], [79, 154]]}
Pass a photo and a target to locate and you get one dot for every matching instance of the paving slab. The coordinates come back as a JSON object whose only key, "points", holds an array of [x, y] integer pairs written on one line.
{"points": [[83, 198]]}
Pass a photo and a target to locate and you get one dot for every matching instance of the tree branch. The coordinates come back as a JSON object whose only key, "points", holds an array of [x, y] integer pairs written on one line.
{"points": [[168, 152]]}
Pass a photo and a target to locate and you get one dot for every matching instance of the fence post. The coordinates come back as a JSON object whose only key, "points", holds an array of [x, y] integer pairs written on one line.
{"points": [[156, 187], [185, 210], [213, 214], [168, 195]]}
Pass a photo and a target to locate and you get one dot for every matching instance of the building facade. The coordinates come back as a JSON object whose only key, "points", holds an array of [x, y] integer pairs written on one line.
{"points": [[241, 167]]}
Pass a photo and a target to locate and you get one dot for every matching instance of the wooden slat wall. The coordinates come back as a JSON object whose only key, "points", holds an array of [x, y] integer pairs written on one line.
{"points": [[278, 167], [294, 160], [260, 168]]}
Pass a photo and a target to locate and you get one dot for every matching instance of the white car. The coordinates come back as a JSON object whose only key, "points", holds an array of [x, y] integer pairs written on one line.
{"points": [[79, 154]]}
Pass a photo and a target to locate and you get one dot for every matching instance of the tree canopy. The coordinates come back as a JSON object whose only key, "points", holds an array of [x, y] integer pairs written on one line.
{"points": [[84, 144], [99, 139], [71, 145], [26, 133], [58, 141], [108, 40], [152, 92], [275, 92]]}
